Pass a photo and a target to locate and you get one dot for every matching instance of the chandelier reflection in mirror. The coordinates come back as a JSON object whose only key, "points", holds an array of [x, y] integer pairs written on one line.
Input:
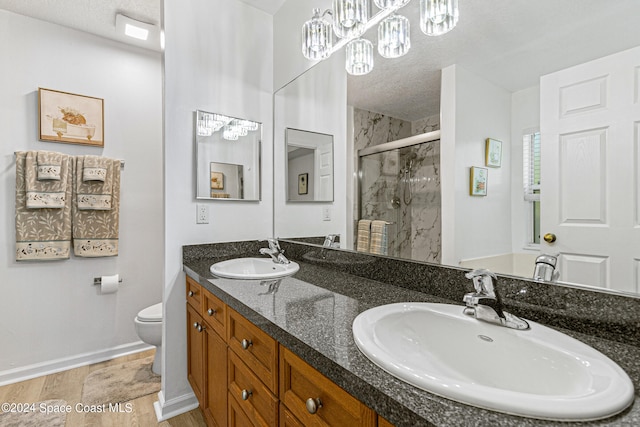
{"points": [[351, 20], [232, 128]]}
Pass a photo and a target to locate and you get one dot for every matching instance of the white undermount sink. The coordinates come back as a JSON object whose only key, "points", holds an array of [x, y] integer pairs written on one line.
{"points": [[253, 268], [537, 373]]}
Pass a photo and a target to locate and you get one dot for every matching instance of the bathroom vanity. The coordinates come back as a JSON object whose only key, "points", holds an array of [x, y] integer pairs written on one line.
{"points": [[281, 352]]}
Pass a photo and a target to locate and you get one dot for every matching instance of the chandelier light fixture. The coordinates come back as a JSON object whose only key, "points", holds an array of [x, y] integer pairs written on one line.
{"points": [[351, 20], [231, 128]]}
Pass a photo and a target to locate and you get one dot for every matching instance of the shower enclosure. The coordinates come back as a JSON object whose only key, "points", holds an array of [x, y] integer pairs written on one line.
{"points": [[399, 182]]}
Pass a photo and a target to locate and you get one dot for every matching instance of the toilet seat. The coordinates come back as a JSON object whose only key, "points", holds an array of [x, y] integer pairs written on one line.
{"points": [[151, 314]]}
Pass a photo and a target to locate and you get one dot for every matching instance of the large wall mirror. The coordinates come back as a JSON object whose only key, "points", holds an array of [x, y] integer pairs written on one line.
{"points": [[309, 166], [489, 78], [227, 156]]}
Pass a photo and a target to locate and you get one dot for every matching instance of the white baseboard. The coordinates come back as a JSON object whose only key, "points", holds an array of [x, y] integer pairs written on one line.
{"points": [[166, 409], [52, 366]]}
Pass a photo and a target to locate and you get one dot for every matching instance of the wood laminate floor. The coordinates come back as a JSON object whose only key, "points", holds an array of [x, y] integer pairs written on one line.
{"points": [[67, 385]]}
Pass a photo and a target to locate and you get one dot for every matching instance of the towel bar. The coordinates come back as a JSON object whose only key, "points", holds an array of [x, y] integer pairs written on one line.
{"points": [[98, 280], [121, 161]]}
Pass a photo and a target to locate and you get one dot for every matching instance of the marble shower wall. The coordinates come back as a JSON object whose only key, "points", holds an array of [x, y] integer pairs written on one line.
{"points": [[401, 186]]}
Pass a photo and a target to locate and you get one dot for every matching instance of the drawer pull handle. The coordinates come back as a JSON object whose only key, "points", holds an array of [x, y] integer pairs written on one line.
{"points": [[198, 326], [191, 293], [211, 312], [313, 405], [246, 394], [246, 344]]}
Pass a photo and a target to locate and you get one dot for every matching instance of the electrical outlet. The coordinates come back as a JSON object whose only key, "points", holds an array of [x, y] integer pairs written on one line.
{"points": [[326, 213], [202, 214]]}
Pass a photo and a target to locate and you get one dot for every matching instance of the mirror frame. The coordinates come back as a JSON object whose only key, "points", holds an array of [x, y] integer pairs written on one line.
{"points": [[197, 113], [286, 167]]}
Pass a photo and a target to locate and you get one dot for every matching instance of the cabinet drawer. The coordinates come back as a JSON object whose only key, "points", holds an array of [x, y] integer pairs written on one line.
{"points": [[255, 399], [214, 312], [299, 383], [194, 294], [287, 419], [256, 349], [237, 418]]}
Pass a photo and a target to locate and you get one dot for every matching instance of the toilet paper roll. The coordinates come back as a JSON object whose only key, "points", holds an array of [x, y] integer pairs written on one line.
{"points": [[109, 284]]}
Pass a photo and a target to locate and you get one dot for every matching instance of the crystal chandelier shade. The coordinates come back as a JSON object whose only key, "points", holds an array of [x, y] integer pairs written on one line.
{"points": [[438, 17], [393, 36], [351, 20], [317, 37], [350, 17], [359, 57], [390, 4]]}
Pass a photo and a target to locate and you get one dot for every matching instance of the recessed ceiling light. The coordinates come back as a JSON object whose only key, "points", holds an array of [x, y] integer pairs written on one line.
{"points": [[136, 29], [136, 32]]}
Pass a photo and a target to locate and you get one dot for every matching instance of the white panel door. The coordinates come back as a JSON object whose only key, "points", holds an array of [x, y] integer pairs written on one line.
{"points": [[324, 166], [590, 185]]}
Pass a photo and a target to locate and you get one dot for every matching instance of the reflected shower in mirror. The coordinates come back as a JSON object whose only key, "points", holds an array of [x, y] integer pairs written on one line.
{"points": [[227, 157], [505, 78], [309, 166]]}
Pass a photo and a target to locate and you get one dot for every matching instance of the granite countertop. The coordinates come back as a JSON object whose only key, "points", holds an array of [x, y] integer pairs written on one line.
{"points": [[311, 313]]}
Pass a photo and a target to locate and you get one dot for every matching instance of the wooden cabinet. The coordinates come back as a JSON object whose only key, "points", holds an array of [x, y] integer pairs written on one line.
{"points": [[256, 349], [315, 400], [243, 377], [215, 408], [207, 352], [254, 397], [196, 352]]}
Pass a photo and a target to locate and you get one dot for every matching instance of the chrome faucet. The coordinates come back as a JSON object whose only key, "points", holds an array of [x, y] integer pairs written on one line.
{"points": [[331, 241], [275, 252], [545, 270], [485, 303]]}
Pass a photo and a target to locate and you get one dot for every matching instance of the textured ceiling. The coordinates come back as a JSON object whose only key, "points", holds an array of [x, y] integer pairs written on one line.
{"points": [[99, 16], [508, 42]]}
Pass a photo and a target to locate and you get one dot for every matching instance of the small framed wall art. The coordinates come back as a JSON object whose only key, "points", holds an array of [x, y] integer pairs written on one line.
{"points": [[478, 181], [493, 153], [303, 181], [70, 118], [217, 180]]}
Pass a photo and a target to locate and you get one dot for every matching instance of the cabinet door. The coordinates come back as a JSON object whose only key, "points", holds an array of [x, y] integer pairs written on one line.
{"points": [[196, 352], [215, 409], [315, 400], [257, 349]]}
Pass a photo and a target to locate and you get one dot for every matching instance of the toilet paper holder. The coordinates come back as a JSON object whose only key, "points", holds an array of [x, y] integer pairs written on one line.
{"points": [[98, 280]]}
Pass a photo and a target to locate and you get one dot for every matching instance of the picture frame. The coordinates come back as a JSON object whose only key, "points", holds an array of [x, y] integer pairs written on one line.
{"points": [[303, 183], [217, 180], [493, 153], [478, 181], [70, 118]]}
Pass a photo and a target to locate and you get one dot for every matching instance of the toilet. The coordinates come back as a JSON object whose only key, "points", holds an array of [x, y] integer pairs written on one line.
{"points": [[149, 329]]}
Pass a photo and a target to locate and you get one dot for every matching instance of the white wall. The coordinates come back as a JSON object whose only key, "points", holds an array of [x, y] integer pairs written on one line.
{"points": [[525, 117], [51, 315], [315, 102], [472, 110], [219, 58], [308, 104]]}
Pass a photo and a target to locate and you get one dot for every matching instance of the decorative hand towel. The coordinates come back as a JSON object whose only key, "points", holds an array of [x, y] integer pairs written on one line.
{"points": [[95, 231], [95, 168], [42, 234], [364, 235], [94, 194], [45, 193], [49, 165], [379, 237]]}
